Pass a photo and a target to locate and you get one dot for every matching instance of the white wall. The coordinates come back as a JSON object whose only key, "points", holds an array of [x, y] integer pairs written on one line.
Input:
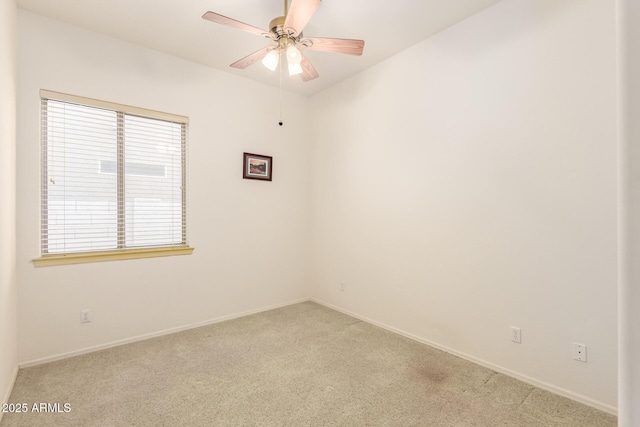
{"points": [[250, 237], [8, 282], [468, 184], [629, 296]]}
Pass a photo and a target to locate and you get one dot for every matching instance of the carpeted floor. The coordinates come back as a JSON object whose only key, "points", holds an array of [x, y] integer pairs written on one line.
{"points": [[302, 365]]}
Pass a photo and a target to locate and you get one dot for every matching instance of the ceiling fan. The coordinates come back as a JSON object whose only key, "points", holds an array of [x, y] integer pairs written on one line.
{"points": [[286, 31]]}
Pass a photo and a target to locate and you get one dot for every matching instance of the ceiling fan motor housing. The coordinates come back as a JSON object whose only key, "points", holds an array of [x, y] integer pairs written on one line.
{"points": [[278, 33], [276, 26]]}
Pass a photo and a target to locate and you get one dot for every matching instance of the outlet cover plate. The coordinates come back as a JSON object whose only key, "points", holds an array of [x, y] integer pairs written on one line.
{"points": [[579, 352], [516, 335]]}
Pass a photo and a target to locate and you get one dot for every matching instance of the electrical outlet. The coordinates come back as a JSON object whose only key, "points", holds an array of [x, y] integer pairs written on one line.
{"points": [[515, 335], [85, 316], [343, 286], [579, 352]]}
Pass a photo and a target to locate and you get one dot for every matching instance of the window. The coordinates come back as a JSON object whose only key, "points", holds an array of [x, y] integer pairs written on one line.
{"points": [[113, 181]]}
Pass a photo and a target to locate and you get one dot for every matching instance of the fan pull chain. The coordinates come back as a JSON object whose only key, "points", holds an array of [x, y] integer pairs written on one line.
{"points": [[280, 61]]}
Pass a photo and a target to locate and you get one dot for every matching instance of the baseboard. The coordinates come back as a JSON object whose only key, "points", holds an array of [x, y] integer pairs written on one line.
{"points": [[7, 395], [117, 343], [534, 382]]}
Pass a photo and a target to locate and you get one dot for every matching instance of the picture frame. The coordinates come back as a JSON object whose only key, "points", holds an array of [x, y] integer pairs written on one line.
{"points": [[257, 166]]}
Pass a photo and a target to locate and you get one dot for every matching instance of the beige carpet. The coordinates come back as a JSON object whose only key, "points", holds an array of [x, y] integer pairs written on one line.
{"points": [[302, 365]]}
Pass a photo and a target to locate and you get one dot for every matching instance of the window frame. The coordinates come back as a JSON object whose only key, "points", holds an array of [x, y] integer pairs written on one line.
{"points": [[50, 259]]}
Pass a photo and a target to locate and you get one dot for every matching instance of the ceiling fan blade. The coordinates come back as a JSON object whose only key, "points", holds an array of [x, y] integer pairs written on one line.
{"points": [[251, 59], [347, 46], [299, 14], [308, 71], [229, 22]]}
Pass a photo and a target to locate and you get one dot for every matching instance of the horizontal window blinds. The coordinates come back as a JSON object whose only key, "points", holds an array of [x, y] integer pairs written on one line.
{"points": [[111, 179]]}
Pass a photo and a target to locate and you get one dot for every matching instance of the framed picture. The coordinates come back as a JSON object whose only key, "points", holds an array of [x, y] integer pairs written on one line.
{"points": [[256, 166]]}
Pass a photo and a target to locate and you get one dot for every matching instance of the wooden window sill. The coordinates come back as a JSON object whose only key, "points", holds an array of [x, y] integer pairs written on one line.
{"points": [[115, 255]]}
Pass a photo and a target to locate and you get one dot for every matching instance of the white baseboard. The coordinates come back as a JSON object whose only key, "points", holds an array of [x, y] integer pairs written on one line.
{"points": [[7, 395], [117, 343], [540, 384]]}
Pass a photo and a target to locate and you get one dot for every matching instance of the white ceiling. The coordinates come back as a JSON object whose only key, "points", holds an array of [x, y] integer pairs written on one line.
{"points": [[176, 27]]}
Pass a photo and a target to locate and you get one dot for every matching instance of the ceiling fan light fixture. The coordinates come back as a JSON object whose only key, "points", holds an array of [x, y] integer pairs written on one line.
{"points": [[295, 69], [271, 60], [293, 55]]}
